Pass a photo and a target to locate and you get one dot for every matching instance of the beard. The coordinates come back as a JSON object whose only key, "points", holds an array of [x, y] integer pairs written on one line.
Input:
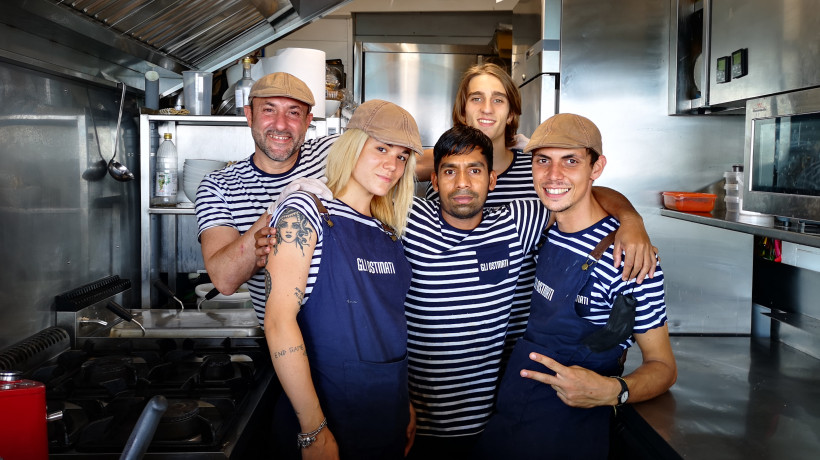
{"points": [[466, 211], [283, 153]]}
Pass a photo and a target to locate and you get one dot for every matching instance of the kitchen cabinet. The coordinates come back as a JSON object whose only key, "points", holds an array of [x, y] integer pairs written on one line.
{"points": [[168, 235], [724, 52]]}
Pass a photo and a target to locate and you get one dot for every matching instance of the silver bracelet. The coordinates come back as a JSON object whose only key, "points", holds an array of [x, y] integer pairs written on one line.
{"points": [[304, 440]]}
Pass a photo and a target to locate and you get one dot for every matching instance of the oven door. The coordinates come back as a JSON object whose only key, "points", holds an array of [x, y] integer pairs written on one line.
{"points": [[782, 168]]}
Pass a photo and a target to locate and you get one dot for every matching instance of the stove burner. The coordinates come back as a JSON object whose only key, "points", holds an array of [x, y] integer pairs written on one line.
{"points": [[217, 367], [180, 421], [107, 368]]}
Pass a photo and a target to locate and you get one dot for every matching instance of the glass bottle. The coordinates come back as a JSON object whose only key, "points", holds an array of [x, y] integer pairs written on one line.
{"points": [[167, 178], [243, 87]]}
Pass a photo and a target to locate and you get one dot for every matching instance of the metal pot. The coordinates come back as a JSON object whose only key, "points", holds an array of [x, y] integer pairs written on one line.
{"points": [[23, 431]]}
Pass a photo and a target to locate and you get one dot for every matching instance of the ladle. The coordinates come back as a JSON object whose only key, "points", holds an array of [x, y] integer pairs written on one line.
{"points": [[100, 167], [115, 168]]}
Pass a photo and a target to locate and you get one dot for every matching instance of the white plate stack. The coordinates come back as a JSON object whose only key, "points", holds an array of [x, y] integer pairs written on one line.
{"points": [[194, 171]]}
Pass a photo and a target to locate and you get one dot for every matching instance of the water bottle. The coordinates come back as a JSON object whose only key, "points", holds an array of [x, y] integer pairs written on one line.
{"points": [[167, 178], [243, 87]]}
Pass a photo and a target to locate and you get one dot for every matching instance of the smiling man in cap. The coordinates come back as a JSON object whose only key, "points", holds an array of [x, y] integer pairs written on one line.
{"points": [[231, 203], [565, 373]]}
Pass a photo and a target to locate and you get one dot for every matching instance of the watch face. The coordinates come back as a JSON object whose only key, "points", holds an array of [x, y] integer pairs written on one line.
{"points": [[624, 396]]}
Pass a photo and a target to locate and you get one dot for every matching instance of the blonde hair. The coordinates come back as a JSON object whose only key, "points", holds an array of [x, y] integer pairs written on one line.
{"points": [[391, 209]]}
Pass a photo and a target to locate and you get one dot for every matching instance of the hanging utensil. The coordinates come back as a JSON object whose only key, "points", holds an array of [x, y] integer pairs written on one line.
{"points": [[115, 168], [99, 169]]}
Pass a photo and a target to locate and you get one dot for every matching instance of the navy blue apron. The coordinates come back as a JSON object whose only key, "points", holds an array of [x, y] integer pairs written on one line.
{"points": [[531, 421], [355, 333]]}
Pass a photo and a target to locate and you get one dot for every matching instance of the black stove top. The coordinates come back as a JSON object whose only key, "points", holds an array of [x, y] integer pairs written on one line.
{"points": [[101, 390]]}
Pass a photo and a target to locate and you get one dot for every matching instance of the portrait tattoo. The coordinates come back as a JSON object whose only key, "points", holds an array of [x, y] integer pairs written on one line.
{"points": [[267, 284], [292, 227]]}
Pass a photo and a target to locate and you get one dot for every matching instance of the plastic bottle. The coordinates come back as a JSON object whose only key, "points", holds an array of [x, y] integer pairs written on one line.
{"points": [[167, 178], [243, 87]]}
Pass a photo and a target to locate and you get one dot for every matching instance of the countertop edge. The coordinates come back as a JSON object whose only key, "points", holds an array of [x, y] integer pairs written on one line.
{"points": [[755, 225]]}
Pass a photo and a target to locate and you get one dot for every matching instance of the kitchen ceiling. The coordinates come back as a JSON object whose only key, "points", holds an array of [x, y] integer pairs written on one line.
{"points": [[176, 35], [188, 31]]}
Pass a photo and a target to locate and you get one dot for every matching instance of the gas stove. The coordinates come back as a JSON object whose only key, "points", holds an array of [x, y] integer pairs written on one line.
{"points": [[213, 393], [220, 389]]}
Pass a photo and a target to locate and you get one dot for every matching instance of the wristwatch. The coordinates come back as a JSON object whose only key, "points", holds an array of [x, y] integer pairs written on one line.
{"points": [[624, 394]]}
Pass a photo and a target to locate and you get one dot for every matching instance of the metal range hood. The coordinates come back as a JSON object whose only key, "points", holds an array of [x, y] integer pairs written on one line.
{"points": [[119, 40]]}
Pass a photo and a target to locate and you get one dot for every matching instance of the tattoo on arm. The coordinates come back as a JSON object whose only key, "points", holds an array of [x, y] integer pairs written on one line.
{"points": [[290, 350], [292, 227], [267, 284]]}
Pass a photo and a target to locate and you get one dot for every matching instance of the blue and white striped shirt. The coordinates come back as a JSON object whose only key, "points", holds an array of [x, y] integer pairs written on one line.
{"points": [[458, 309], [515, 183], [239, 194]]}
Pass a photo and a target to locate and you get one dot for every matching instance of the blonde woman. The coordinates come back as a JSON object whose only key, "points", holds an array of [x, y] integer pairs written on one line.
{"points": [[334, 318]]}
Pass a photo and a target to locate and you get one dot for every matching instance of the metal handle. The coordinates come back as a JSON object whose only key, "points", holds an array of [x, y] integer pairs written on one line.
{"points": [[124, 314], [162, 287], [92, 321], [119, 120], [211, 294], [167, 291], [145, 428]]}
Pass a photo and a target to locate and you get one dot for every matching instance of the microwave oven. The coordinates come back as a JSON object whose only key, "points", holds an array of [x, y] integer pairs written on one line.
{"points": [[782, 155]]}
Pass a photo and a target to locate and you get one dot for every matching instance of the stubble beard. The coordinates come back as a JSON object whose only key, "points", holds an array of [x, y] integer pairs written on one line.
{"points": [[463, 212], [261, 138], [554, 207]]}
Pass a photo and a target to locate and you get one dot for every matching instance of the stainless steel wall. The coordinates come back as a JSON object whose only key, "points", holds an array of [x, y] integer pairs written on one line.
{"points": [[614, 61], [62, 222], [421, 81]]}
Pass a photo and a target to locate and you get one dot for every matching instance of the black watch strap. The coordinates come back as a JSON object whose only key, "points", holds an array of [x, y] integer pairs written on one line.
{"points": [[624, 394]]}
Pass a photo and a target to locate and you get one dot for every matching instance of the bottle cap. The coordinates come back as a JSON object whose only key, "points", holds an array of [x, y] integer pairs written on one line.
{"points": [[166, 136]]}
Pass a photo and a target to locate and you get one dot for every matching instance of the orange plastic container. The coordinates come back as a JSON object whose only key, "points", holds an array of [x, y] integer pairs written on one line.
{"points": [[689, 201]]}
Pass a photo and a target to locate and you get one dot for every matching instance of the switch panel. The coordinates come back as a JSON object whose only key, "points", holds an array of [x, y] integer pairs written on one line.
{"points": [[740, 64], [723, 70]]}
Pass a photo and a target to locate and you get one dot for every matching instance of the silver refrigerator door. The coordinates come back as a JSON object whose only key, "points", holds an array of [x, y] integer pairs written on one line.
{"points": [[424, 84]]}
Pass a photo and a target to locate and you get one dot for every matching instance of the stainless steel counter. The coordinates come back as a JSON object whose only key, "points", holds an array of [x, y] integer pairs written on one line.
{"points": [[749, 223], [737, 398]]}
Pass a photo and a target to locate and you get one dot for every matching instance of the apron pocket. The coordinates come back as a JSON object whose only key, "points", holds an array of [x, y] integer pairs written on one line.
{"points": [[378, 404]]}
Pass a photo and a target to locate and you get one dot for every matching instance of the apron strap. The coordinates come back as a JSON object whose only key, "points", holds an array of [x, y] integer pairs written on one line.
{"points": [[602, 245], [322, 209], [598, 251], [390, 232], [326, 216]]}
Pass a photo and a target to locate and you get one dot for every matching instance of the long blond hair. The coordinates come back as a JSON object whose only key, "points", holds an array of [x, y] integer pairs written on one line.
{"points": [[392, 208]]}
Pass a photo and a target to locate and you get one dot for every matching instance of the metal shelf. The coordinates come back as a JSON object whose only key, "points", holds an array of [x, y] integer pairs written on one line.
{"points": [[185, 209], [212, 137]]}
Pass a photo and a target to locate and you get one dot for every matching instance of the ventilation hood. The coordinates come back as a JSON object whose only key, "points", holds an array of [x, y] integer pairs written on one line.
{"points": [[122, 39]]}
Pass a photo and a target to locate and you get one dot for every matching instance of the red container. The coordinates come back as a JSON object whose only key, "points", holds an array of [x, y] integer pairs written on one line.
{"points": [[23, 431], [689, 201]]}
